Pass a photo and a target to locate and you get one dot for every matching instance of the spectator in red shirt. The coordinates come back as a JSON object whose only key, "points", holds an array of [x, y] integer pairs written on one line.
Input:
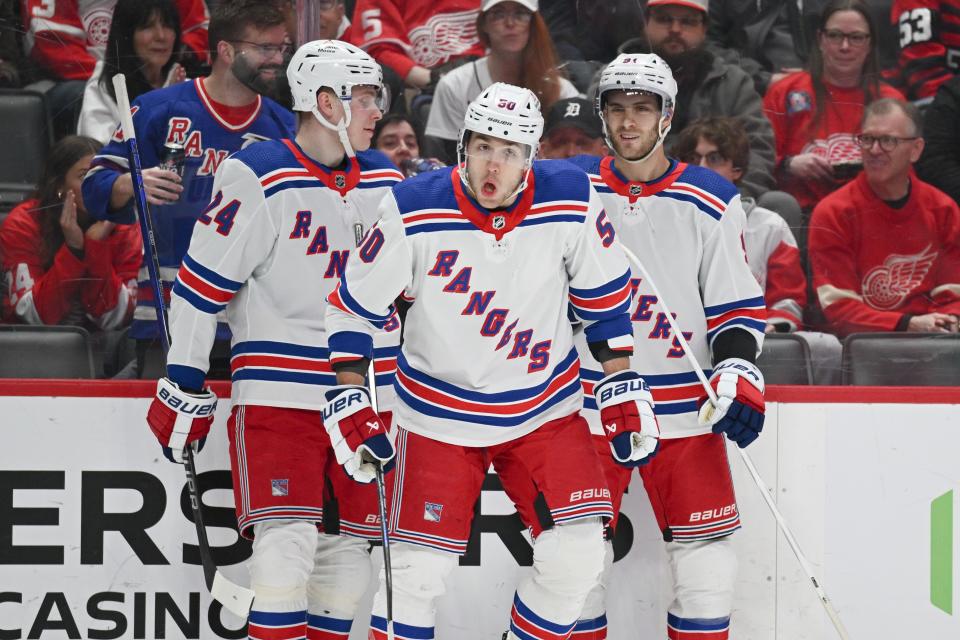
{"points": [[60, 266], [815, 113], [885, 248]]}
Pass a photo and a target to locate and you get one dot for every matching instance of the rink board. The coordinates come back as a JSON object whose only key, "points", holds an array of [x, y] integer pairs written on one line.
{"points": [[94, 532]]}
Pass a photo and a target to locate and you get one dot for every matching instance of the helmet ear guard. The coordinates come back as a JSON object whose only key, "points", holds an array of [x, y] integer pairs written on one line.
{"points": [[641, 73], [507, 112]]}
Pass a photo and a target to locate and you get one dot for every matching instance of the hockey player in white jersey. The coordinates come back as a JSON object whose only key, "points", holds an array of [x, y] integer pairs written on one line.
{"points": [[686, 224], [269, 248], [489, 254]]}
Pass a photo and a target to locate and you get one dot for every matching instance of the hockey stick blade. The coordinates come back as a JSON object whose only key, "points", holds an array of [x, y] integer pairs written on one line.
{"points": [[232, 596]]}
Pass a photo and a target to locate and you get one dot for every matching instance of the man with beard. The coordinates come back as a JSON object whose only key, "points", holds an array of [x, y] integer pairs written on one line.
{"points": [[707, 86], [686, 223], [202, 121]]}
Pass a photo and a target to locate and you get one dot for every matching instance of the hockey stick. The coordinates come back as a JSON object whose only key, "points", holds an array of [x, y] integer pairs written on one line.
{"points": [[747, 461], [232, 596], [381, 490]]}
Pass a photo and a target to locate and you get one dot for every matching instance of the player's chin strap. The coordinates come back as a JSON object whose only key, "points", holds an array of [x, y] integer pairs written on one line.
{"points": [[340, 127], [659, 143]]}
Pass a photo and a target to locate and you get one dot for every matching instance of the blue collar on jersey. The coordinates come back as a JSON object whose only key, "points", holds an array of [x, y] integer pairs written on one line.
{"points": [[335, 179], [637, 189], [497, 222]]}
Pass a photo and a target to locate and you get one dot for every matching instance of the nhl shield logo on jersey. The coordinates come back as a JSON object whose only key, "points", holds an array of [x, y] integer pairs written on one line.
{"points": [[280, 487], [499, 222], [432, 511], [340, 180], [635, 189]]}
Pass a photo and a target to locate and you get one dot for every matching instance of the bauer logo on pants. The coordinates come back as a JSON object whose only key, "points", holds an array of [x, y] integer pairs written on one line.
{"points": [[432, 511], [279, 487]]}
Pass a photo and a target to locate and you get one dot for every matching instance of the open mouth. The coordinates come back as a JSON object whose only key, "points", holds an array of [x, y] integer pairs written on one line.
{"points": [[488, 188]]}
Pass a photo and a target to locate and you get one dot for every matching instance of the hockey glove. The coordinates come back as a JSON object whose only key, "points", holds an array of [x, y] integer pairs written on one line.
{"points": [[179, 418], [358, 436], [626, 412], [740, 408]]}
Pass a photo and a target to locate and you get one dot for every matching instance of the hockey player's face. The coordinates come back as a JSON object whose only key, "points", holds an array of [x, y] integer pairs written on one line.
{"points": [[495, 168], [364, 114], [632, 122], [673, 30], [260, 58]]}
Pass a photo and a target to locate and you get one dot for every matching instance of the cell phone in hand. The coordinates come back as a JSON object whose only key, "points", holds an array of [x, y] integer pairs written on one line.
{"points": [[846, 170]]}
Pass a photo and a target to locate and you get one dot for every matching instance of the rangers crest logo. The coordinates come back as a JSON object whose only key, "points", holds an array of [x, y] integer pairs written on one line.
{"points": [[432, 511], [340, 180], [886, 286], [636, 189], [499, 222], [280, 487]]}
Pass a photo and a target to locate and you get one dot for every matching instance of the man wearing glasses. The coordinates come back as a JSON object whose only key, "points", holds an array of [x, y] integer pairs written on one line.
{"points": [[203, 121], [707, 86], [885, 248]]}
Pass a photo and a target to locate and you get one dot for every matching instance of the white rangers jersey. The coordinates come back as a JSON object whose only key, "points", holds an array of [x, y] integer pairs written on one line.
{"points": [[488, 351], [269, 248], [687, 228]]}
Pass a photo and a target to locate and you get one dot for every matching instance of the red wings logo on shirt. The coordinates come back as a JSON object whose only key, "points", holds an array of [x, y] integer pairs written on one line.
{"points": [[886, 287], [442, 37]]}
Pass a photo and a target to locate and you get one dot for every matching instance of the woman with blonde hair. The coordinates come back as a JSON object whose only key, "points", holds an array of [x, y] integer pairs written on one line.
{"points": [[519, 52]]}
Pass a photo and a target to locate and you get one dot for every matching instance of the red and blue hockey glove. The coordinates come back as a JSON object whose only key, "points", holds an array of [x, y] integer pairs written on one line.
{"points": [[626, 412], [179, 418], [740, 407], [358, 435]]}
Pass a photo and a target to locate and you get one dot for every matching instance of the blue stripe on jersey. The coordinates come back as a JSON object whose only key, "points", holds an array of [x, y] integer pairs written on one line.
{"points": [[654, 380], [416, 228], [749, 323], [386, 182], [697, 624], [300, 377], [211, 276], [591, 625], [289, 349], [695, 201], [608, 328], [730, 306], [281, 619], [196, 301], [329, 624], [528, 222], [353, 342], [598, 292], [359, 310], [543, 623], [402, 630], [516, 395], [186, 377], [306, 183]]}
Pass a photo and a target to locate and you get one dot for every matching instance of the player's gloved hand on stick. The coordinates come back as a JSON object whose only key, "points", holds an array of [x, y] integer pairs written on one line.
{"points": [[359, 437], [179, 418], [740, 407], [626, 412]]}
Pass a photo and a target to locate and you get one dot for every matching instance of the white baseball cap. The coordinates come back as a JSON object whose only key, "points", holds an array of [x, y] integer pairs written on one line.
{"points": [[532, 5], [702, 5]]}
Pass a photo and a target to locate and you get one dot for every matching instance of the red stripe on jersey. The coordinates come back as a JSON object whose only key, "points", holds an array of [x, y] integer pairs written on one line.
{"points": [[388, 173], [322, 634], [293, 632], [293, 173], [514, 408], [559, 207], [532, 629], [757, 314], [675, 634], [605, 302], [699, 193], [204, 288], [432, 216]]}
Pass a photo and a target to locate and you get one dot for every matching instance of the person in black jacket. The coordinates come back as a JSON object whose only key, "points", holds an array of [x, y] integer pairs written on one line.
{"points": [[940, 163]]}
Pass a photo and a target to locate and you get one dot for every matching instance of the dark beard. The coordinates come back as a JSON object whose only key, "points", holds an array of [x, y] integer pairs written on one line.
{"points": [[690, 69], [250, 77]]}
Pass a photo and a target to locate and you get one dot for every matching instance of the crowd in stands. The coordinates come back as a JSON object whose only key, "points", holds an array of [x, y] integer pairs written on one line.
{"points": [[838, 121]]}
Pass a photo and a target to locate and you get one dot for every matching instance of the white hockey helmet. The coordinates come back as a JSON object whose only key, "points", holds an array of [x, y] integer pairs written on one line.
{"points": [[338, 66], [639, 72], [508, 112]]}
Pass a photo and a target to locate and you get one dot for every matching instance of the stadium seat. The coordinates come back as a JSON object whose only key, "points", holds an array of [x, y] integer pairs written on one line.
{"points": [[45, 352], [27, 136], [785, 360], [901, 359]]}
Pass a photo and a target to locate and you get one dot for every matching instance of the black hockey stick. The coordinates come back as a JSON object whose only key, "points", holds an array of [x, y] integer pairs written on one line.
{"points": [[232, 596], [381, 490]]}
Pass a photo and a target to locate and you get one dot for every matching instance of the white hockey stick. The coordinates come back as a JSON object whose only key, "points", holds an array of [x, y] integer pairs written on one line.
{"points": [[381, 489], [747, 461], [232, 596]]}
